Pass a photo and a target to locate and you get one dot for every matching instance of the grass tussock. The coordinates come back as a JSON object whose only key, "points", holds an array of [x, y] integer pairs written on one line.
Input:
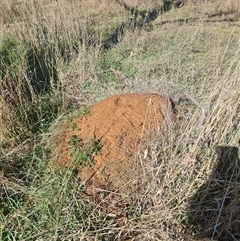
{"points": [[56, 56]]}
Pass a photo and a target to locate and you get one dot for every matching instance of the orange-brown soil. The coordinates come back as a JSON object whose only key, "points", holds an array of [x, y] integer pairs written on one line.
{"points": [[121, 124]]}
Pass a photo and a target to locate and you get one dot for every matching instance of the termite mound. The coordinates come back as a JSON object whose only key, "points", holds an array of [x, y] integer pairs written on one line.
{"points": [[115, 129]]}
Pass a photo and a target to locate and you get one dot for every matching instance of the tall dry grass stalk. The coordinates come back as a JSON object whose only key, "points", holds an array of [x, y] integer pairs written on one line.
{"points": [[194, 183], [42, 50], [56, 62]]}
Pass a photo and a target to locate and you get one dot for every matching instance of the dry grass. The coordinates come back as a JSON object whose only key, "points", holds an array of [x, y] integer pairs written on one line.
{"points": [[54, 58], [218, 7], [196, 181]]}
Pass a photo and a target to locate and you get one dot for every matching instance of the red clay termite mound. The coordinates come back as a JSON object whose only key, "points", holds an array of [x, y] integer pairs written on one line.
{"points": [[118, 127]]}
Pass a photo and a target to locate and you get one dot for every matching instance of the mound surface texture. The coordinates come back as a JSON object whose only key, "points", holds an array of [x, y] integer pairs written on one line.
{"points": [[121, 123]]}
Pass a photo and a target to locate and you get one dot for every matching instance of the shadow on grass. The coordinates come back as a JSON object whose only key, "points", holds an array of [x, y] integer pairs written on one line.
{"points": [[138, 20], [216, 205], [41, 71]]}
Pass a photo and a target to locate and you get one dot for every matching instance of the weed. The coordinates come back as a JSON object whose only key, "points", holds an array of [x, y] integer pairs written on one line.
{"points": [[74, 126], [83, 154], [81, 112]]}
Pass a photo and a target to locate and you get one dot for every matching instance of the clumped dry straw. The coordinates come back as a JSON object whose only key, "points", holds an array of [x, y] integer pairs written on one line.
{"points": [[198, 183], [53, 61]]}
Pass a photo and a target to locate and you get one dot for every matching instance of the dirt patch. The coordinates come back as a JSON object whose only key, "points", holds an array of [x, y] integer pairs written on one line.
{"points": [[114, 130]]}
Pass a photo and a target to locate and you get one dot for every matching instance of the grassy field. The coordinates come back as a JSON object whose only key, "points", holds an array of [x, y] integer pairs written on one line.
{"points": [[56, 57]]}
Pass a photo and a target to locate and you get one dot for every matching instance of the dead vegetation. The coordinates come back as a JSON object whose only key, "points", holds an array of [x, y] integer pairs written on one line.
{"points": [[56, 58]]}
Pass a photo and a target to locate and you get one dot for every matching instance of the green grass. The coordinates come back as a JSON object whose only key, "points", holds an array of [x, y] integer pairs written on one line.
{"points": [[45, 201], [53, 63], [13, 59], [83, 155]]}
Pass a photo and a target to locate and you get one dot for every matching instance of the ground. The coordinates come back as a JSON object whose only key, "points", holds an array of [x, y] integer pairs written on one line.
{"points": [[175, 180]]}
